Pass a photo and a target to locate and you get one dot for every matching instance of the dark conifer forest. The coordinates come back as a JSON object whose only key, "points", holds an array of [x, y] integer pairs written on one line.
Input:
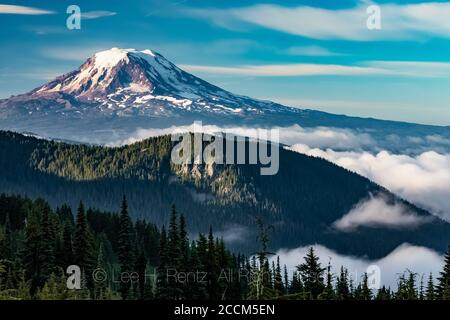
{"points": [[38, 244], [301, 201]]}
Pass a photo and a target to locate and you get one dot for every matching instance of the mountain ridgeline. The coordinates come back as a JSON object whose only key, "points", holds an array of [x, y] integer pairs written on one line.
{"points": [[116, 92], [301, 202]]}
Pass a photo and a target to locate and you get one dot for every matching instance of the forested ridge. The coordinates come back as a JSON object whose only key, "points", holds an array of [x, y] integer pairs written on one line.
{"points": [[301, 201], [37, 244]]}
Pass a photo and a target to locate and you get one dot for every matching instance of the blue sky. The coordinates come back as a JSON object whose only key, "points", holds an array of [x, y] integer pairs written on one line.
{"points": [[315, 54]]}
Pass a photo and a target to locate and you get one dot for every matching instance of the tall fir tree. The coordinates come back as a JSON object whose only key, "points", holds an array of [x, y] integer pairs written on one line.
{"points": [[286, 280], [31, 252], [125, 250], [342, 285], [161, 280], [47, 250], [261, 284], [141, 268], [212, 267], [366, 293], [100, 286], [278, 279], [430, 293], [311, 272], [83, 247], [328, 293], [443, 287], [174, 257]]}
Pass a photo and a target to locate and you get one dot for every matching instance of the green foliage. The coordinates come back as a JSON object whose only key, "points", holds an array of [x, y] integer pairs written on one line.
{"points": [[319, 192], [311, 273], [204, 267], [125, 252], [443, 288]]}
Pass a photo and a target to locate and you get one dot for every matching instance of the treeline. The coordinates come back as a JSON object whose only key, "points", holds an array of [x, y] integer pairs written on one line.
{"points": [[123, 259]]}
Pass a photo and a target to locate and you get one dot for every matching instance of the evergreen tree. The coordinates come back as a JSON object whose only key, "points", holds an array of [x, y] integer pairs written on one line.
{"points": [[67, 256], [261, 283], [311, 273], [286, 280], [296, 284], [100, 285], [31, 252], [141, 267], [328, 293], [174, 257], [342, 285], [195, 289], [184, 241], [212, 267], [47, 250], [430, 291], [421, 289], [383, 294], [83, 247], [366, 293], [161, 282], [125, 254], [443, 287], [278, 280], [411, 286]]}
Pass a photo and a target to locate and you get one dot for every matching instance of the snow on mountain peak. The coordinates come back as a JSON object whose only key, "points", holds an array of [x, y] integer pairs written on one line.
{"points": [[110, 58], [129, 81], [108, 71]]}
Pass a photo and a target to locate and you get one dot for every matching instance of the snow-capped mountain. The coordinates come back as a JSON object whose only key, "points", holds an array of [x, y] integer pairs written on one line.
{"points": [[126, 82], [117, 91]]}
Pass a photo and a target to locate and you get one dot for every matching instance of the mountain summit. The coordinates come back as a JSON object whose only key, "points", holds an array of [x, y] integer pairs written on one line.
{"points": [[126, 82], [118, 91], [130, 71]]}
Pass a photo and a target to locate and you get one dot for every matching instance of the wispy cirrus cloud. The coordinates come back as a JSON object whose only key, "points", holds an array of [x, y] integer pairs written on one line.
{"points": [[398, 21], [97, 14], [386, 68], [311, 51], [286, 70], [13, 9]]}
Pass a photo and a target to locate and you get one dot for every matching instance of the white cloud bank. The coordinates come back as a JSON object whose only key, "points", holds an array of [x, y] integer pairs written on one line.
{"points": [[423, 179], [420, 260], [377, 212], [320, 137], [13, 9], [398, 21]]}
